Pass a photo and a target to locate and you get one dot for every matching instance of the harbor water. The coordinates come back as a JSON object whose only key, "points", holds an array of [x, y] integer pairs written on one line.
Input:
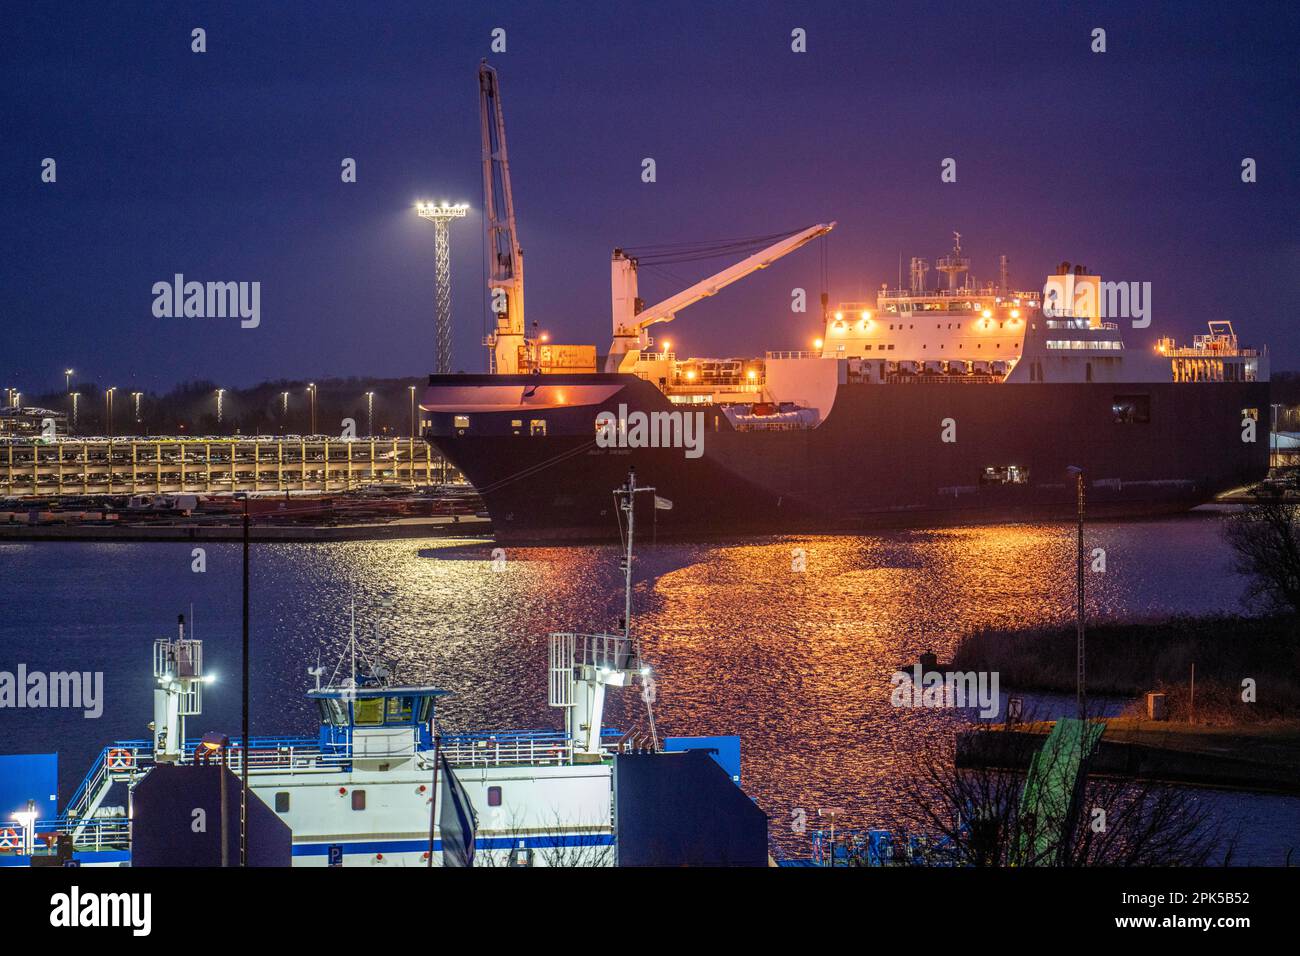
{"points": [[788, 642]]}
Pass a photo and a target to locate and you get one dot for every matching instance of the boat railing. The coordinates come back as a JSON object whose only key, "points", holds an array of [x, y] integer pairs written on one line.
{"points": [[529, 748], [126, 759], [805, 354]]}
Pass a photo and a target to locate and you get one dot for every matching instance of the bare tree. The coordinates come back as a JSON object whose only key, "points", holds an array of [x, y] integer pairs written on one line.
{"points": [[1266, 539], [979, 818]]}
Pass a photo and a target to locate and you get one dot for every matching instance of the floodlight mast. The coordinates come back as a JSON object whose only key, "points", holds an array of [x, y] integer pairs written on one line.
{"points": [[441, 214]]}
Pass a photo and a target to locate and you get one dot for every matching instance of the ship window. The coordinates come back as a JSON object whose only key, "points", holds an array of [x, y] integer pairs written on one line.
{"points": [[426, 709], [368, 712], [358, 799], [282, 801], [537, 426], [399, 710], [494, 796], [332, 713], [1131, 409], [1005, 475], [516, 423], [460, 421]]}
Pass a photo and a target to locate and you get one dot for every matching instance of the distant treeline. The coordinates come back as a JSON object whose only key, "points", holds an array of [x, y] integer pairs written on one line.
{"points": [[191, 408], [265, 409], [1129, 659]]}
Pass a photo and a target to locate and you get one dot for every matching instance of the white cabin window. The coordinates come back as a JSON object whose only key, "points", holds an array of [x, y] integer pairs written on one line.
{"points": [[494, 796], [358, 799]]}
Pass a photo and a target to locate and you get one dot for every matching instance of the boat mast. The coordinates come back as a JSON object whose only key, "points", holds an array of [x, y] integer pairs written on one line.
{"points": [[628, 493]]}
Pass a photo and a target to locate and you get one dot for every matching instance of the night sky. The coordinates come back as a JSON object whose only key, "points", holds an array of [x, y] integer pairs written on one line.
{"points": [[225, 166]]}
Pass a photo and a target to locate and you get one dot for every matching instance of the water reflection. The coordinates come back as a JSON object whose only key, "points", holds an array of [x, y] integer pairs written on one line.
{"points": [[796, 661]]}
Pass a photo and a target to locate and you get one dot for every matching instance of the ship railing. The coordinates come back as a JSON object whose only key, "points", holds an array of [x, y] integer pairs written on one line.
{"points": [[528, 748], [805, 354], [98, 833], [971, 378], [125, 759]]}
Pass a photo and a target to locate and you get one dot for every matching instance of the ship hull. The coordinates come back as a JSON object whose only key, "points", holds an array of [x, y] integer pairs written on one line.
{"points": [[886, 456]]}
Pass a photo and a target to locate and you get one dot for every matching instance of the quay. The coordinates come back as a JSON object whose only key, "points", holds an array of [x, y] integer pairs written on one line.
{"points": [[158, 465]]}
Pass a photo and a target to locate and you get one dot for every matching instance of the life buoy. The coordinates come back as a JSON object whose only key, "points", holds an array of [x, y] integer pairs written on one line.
{"points": [[120, 759], [9, 839]]}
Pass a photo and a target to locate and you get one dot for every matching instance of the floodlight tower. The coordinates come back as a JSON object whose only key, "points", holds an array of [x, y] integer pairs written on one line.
{"points": [[441, 214]]}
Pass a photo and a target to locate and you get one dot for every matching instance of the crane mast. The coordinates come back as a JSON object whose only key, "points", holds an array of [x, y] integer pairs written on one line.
{"points": [[630, 321], [505, 257]]}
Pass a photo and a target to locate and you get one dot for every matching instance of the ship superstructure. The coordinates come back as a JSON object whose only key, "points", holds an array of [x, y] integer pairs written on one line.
{"points": [[946, 399]]}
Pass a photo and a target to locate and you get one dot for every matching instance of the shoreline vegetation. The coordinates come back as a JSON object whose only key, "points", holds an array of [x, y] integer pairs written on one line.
{"points": [[1232, 654], [1220, 738]]}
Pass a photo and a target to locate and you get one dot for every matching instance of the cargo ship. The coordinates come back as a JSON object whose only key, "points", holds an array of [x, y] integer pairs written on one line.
{"points": [[933, 404]]}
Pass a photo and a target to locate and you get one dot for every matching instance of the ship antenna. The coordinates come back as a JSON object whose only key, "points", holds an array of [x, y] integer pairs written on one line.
{"points": [[628, 492]]}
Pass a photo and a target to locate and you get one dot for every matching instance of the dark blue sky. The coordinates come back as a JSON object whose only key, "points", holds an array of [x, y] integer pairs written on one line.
{"points": [[225, 166]]}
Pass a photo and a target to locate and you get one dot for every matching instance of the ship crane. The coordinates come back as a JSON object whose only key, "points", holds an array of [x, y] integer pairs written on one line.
{"points": [[630, 322], [505, 257]]}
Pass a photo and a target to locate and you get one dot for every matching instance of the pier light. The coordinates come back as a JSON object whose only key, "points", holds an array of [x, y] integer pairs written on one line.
{"points": [[546, 336], [668, 346], [987, 314], [818, 343], [1015, 313], [866, 316]]}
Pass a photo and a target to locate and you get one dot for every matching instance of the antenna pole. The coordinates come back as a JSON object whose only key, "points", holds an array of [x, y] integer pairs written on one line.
{"points": [[243, 761], [630, 505], [628, 492]]}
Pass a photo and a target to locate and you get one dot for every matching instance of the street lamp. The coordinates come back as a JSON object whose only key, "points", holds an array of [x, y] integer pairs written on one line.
{"points": [[411, 388], [67, 380], [1080, 694], [311, 390], [108, 401], [221, 394], [370, 414], [136, 398]]}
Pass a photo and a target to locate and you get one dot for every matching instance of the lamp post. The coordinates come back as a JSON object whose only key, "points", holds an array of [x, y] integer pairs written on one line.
{"points": [[411, 389], [441, 214], [108, 401], [1081, 694], [311, 392], [67, 380], [135, 397], [221, 394], [76, 401], [370, 414]]}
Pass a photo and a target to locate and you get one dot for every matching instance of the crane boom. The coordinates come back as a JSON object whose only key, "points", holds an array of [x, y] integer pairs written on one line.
{"points": [[630, 323], [505, 257]]}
